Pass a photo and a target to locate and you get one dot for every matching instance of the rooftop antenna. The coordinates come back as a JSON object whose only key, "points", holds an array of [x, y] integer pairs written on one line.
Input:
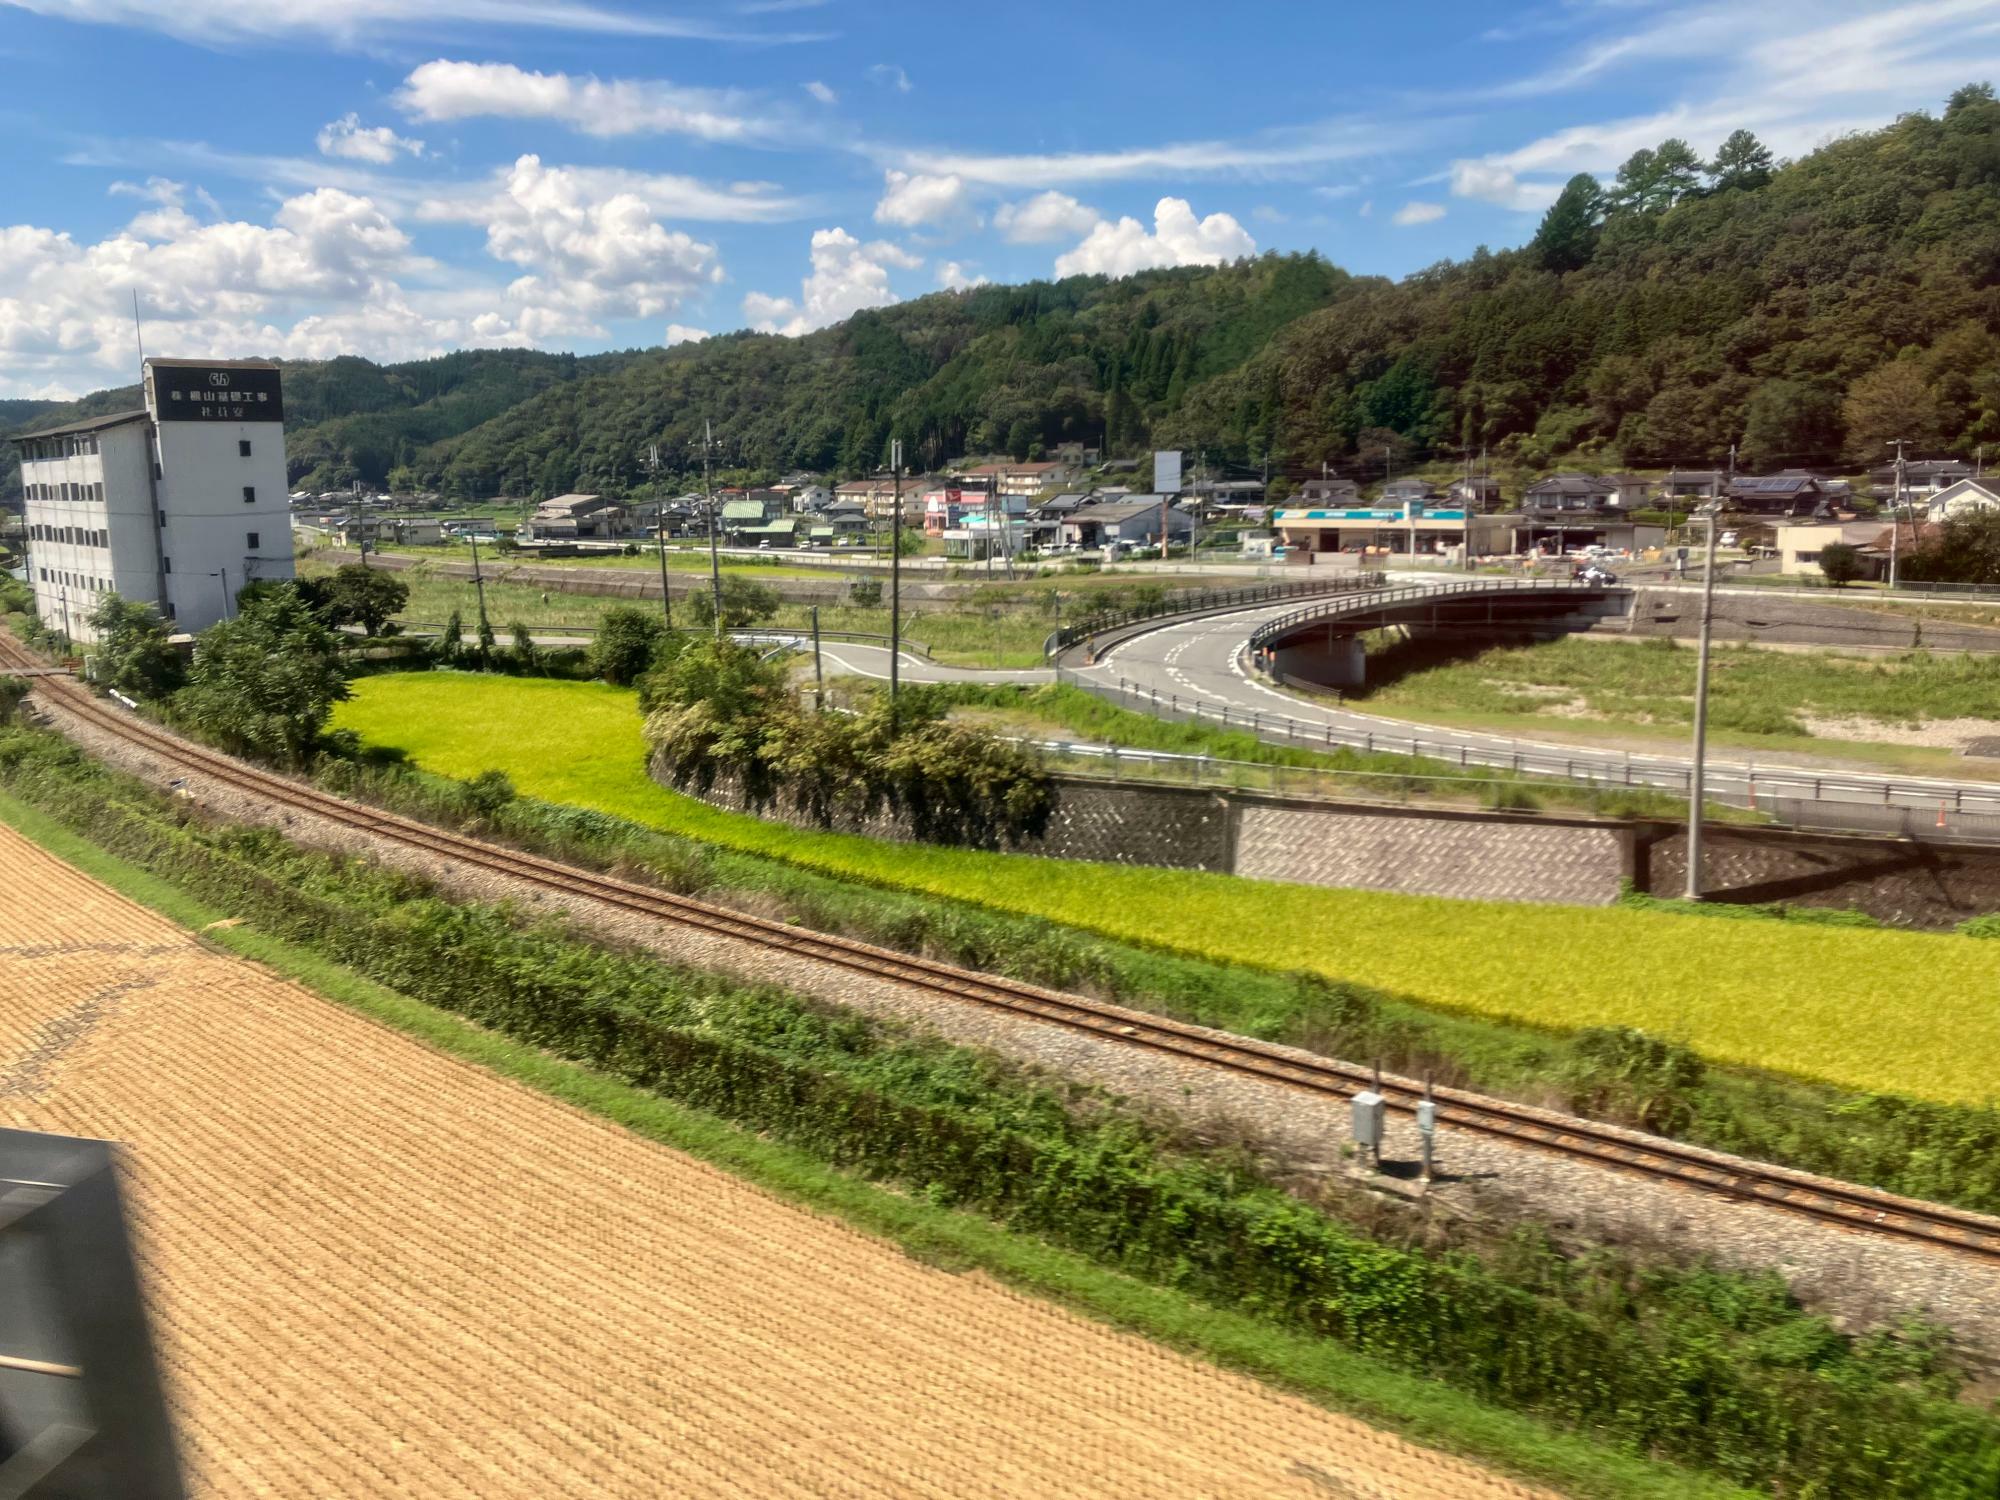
{"points": [[139, 336]]}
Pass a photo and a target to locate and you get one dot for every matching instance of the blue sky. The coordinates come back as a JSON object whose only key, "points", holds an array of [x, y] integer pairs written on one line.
{"points": [[396, 178]]}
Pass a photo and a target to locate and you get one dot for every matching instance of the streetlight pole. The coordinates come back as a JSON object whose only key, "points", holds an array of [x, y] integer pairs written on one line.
{"points": [[1896, 518], [1695, 777]]}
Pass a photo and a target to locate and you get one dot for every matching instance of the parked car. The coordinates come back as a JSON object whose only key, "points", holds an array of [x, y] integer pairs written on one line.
{"points": [[1595, 575]]}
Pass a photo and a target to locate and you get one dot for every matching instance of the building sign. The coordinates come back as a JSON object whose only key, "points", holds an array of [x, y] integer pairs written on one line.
{"points": [[1167, 473], [198, 393]]}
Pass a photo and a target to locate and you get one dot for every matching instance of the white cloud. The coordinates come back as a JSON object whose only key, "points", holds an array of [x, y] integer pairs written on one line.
{"points": [[1367, 208], [955, 277], [1784, 70], [446, 90], [352, 21], [1337, 190], [1044, 218], [847, 275], [588, 256], [890, 74], [1418, 213], [348, 137], [1269, 153], [1265, 213], [1176, 239], [322, 278], [665, 195], [680, 333], [911, 200], [1491, 182], [821, 92]]}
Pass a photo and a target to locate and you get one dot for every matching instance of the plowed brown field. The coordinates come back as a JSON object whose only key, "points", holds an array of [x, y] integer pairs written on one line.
{"points": [[376, 1270]]}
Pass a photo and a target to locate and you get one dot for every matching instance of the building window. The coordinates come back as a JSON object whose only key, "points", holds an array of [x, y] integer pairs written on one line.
{"points": [[243, 447], [250, 540], [249, 494], [170, 609], [166, 565]]}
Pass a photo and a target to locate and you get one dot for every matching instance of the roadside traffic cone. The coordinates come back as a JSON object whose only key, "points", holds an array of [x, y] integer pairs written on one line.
{"points": [[1940, 812]]}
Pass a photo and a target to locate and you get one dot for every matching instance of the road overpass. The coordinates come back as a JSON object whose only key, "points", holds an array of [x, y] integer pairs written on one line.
{"points": [[1203, 669]]}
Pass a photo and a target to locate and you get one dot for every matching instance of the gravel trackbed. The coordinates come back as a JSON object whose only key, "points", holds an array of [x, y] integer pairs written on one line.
{"points": [[377, 1270]]}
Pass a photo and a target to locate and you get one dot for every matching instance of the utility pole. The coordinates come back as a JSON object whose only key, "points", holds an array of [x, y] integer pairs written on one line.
{"points": [[660, 532], [479, 587], [714, 550], [1695, 777], [1896, 517], [819, 678], [895, 581]]}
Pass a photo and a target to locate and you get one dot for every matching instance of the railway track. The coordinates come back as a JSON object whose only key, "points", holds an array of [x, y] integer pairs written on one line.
{"points": [[1861, 1209]]}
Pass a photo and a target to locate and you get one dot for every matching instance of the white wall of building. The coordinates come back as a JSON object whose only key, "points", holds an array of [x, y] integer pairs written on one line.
{"points": [[209, 525]]}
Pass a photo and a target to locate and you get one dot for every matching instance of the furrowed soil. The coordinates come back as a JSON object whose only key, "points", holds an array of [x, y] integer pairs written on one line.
{"points": [[374, 1269]]}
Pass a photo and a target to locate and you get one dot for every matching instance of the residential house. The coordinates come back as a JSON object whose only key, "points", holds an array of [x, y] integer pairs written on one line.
{"points": [[1800, 544], [1076, 455], [748, 511], [1922, 476], [1965, 498], [1634, 490], [1479, 492], [1023, 479], [1586, 494], [569, 518], [1326, 492], [1792, 494], [1133, 521], [1408, 490], [877, 496], [1687, 488], [806, 499]]}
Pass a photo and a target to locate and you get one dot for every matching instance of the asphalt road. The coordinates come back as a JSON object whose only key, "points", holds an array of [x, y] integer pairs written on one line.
{"points": [[1194, 669]]}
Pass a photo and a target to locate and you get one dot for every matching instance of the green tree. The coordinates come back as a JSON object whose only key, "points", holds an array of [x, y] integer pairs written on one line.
{"points": [[1968, 96], [527, 656], [1887, 404], [624, 645], [743, 603], [1790, 423], [1021, 439], [1653, 181], [1567, 237], [360, 595], [133, 653], [1742, 162], [1840, 563], [1965, 549], [264, 684], [452, 643]]}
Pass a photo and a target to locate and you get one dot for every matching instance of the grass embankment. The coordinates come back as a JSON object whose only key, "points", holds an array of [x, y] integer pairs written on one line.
{"points": [[1719, 1370], [1758, 699], [1801, 1000], [1058, 710]]}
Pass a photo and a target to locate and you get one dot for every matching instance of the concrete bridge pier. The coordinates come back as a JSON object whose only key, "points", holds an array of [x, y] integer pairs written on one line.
{"points": [[1327, 660]]}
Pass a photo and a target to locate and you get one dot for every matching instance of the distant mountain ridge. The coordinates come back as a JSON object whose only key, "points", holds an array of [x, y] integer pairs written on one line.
{"points": [[1806, 313]]}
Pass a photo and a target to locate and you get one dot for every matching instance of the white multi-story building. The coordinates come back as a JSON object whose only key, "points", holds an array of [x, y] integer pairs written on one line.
{"points": [[177, 504]]}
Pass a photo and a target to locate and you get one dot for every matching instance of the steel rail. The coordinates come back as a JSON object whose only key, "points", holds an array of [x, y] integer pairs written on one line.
{"points": [[1845, 1205]]}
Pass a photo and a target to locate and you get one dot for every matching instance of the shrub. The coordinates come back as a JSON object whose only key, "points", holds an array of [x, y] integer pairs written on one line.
{"points": [[264, 684], [743, 603], [865, 593], [133, 653], [624, 645], [12, 691]]}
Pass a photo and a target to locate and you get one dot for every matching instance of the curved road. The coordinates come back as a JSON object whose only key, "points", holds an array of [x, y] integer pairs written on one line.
{"points": [[1194, 669]]}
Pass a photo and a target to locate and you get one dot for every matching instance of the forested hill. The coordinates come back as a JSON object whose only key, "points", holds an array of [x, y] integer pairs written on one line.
{"points": [[1806, 312], [352, 419]]}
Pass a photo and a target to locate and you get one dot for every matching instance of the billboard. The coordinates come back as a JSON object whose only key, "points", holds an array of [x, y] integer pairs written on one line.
{"points": [[1167, 473], [215, 393]]}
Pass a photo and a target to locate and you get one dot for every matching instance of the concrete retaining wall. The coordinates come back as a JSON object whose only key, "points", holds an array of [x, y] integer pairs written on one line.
{"points": [[1800, 622], [1486, 856]]}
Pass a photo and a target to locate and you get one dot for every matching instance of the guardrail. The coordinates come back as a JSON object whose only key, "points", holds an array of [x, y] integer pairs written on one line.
{"points": [[1195, 601], [1417, 592], [1800, 797], [863, 637]]}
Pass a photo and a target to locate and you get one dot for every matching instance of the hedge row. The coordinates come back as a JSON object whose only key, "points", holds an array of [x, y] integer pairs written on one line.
{"points": [[1708, 1369]]}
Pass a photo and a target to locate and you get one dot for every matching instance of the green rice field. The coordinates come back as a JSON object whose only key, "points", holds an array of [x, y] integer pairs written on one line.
{"points": [[1909, 1013]]}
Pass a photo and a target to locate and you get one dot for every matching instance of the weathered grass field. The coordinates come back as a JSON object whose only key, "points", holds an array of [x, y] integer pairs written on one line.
{"points": [[376, 1270], [1909, 1013]]}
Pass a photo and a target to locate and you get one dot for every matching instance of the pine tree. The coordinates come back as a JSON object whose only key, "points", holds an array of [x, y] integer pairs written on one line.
{"points": [[1567, 237], [1742, 162]]}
